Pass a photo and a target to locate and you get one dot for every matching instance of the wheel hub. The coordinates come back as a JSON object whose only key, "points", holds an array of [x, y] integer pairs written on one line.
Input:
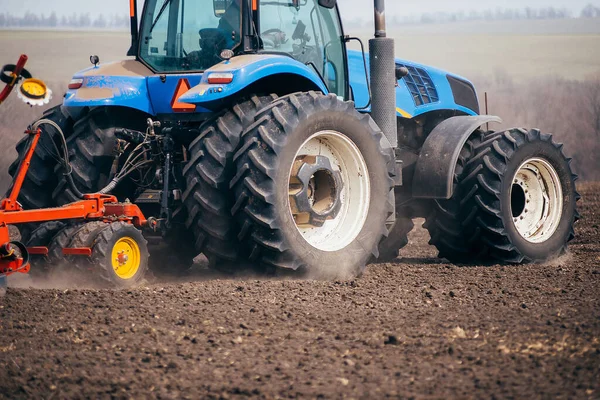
{"points": [[536, 200], [329, 190], [122, 258], [126, 258], [314, 190]]}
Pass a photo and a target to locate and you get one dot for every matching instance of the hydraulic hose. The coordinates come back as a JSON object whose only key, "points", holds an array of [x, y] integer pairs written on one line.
{"points": [[110, 187], [65, 158], [106, 190]]}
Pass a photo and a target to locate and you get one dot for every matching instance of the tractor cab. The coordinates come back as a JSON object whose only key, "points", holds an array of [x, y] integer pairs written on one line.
{"points": [[179, 36]]}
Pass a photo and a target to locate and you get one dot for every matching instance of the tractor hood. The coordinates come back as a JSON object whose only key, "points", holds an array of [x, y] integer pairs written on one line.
{"points": [[424, 89]]}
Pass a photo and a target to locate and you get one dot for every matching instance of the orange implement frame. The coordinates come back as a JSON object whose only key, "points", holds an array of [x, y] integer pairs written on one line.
{"points": [[93, 207]]}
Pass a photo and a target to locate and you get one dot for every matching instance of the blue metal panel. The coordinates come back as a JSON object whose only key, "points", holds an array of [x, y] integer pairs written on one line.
{"points": [[125, 91], [405, 102], [247, 69], [162, 93], [154, 94]]}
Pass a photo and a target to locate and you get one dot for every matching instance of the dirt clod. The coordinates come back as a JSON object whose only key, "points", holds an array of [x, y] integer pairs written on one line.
{"points": [[391, 339]]}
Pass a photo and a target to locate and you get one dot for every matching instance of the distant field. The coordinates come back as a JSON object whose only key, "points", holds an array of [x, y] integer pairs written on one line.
{"points": [[522, 49], [522, 57]]}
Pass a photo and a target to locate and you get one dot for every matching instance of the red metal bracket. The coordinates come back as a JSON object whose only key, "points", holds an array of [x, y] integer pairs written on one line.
{"points": [[38, 251], [82, 251]]}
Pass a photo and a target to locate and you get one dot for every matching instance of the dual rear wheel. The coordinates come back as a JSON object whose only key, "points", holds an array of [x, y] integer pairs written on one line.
{"points": [[310, 187], [314, 187], [514, 201]]}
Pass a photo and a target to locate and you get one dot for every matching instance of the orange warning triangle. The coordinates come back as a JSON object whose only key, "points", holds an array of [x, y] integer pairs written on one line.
{"points": [[182, 87]]}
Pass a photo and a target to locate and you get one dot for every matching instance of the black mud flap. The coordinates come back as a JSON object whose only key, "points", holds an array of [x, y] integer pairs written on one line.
{"points": [[434, 171]]}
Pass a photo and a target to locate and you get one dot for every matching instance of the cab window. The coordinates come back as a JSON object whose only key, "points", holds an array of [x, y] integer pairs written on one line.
{"points": [[179, 35]]}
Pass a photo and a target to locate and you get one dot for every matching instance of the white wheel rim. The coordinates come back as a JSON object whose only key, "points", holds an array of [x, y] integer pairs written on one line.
{"points": [[536, 200], [354, 196]]}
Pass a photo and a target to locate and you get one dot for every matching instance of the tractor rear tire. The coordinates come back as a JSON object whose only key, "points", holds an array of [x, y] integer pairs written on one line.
{"points": [[445, 221], [42, 236], [91, 148], [118, 240], [207, 198], [336, 165], [520, 201]]}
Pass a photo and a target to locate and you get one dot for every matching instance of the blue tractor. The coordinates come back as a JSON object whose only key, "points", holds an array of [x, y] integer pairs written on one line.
{"points": [[248, 131]]}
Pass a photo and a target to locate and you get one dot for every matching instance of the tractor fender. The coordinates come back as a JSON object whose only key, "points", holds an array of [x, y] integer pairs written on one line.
{"points": [[246, 70], [120, 84], [434, 171]]}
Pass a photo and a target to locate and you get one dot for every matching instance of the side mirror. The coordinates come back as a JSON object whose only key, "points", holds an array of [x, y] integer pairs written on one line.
{"points": [[95, 60], [327, 3]]}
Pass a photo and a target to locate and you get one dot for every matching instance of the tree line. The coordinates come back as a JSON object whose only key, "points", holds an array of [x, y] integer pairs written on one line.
{"points": [[498, 14], [117, 21], [74, 20]]}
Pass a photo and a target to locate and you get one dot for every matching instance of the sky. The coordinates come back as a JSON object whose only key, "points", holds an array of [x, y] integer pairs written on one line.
{"points": [[350, 8]]}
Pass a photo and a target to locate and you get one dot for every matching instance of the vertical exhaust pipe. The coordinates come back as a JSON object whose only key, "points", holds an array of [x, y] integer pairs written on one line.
{"points": [[133, 18], [383, 77], [379, 8]]}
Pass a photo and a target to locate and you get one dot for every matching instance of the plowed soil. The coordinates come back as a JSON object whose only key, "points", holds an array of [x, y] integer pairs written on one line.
{"points": [[419, 328]]}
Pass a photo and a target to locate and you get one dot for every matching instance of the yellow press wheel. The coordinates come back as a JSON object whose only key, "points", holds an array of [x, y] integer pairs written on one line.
{"points": [[120, 255]]}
